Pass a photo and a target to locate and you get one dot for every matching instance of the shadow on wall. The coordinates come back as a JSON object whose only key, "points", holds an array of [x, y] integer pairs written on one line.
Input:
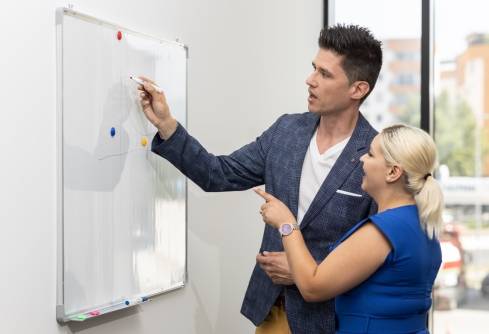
{"points": [[101, 170]]}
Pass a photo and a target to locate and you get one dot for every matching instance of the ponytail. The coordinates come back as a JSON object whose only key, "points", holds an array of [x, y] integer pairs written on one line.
{"points": [[430, 205]]}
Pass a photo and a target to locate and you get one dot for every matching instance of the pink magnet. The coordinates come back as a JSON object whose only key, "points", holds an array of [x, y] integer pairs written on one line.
{"points": [[119, 35], [94, 313]]}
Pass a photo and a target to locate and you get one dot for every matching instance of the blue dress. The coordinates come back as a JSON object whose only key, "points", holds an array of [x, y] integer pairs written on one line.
{"points": [[397, 297]]}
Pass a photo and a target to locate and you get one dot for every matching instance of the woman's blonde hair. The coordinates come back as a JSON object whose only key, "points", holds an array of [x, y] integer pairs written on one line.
{"points": [[415, 151]]}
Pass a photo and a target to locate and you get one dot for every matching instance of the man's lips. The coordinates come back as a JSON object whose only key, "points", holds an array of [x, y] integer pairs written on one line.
{"points": [[311, 97]]}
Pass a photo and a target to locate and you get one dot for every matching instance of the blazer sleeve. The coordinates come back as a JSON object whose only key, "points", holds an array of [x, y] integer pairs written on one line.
{"points": [[242, 169]]}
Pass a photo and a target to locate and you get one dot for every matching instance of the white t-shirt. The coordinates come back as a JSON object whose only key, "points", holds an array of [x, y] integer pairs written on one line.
{"points": [[315, 169]]}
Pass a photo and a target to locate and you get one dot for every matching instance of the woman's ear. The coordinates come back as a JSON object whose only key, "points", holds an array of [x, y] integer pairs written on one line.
{"points": [[394, 173]]}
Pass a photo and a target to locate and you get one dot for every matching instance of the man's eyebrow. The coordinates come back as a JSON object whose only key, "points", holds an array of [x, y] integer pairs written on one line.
{"points": [[322, 69]]}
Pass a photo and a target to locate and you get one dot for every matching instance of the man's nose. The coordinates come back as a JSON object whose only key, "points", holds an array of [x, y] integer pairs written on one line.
{"points": [[310, 80]]}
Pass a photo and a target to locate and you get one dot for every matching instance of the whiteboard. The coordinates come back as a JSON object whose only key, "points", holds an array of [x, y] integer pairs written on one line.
{"points": [[121, 208]]}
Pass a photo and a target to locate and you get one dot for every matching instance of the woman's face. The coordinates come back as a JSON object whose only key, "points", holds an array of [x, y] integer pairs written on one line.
{"points": [[375, 169]]}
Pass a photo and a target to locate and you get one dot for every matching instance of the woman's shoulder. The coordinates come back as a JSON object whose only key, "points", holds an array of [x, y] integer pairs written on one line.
{"points": [[400, 218]]}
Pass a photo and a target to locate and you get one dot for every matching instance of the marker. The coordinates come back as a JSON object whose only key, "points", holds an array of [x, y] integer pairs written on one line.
{"points": [[79, 317], [136, 301], [141, 82], [112, 307]]}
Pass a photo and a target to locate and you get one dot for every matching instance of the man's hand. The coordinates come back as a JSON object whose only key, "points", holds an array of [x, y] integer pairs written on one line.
{"points": [[276, 267], [156, 109]]}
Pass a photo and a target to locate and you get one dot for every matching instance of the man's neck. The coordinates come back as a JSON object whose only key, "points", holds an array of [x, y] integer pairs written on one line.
{"points": [[334, 128]]}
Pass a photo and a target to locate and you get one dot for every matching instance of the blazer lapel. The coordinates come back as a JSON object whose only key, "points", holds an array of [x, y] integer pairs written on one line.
{"points": [[349, 158], [303, 134]]}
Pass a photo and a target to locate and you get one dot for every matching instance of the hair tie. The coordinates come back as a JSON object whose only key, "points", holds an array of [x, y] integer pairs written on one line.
{"points": [[427, 176]]}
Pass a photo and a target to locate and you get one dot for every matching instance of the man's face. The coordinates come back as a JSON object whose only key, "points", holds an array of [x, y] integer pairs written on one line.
{"points": [[329, 87]]}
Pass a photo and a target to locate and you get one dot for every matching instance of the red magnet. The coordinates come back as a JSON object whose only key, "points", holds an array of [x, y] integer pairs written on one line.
{"points": [[119, 35]]}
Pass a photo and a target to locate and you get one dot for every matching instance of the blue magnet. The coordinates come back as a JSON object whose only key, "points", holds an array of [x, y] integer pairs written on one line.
{"points": [[112, 132]]}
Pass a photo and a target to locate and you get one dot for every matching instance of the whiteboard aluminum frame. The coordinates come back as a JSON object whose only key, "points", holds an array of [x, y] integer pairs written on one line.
{"points": [[61, 315]]}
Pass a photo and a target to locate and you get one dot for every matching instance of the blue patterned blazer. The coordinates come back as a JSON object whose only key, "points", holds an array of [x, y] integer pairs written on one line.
{"points": [[275, 159]]}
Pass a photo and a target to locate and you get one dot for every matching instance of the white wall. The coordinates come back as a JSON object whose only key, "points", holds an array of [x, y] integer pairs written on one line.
{"points": [[248, 62]]}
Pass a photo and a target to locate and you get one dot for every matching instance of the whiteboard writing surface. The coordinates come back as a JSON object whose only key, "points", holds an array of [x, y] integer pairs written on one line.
{"points": [[121, 209]]}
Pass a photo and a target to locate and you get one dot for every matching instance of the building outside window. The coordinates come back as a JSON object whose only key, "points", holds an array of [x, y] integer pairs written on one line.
{"points": [[396, 96]]}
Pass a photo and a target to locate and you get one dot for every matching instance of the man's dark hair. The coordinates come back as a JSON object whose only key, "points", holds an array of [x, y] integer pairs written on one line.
{"points": [[362, 53]]}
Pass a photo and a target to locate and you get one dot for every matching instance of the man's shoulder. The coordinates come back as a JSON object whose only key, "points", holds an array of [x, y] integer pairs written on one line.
{"points": [[365, 128]]}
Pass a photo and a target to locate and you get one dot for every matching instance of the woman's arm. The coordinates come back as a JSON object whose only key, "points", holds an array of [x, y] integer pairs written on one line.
{"points": [[351, 263]]}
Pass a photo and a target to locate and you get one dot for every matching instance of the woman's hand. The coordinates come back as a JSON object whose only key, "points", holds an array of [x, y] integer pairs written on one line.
{"points": [[274, 212]]}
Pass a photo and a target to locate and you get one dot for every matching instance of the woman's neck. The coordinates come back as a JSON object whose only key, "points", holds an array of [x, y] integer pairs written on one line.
{"points": [[394, 201]]}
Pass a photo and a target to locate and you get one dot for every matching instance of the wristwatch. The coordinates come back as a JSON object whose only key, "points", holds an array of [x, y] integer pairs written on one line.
{"points": [[287, 228]]}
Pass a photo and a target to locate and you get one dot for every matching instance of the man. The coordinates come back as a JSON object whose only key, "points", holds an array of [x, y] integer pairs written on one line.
{"points": [[309, 161]]}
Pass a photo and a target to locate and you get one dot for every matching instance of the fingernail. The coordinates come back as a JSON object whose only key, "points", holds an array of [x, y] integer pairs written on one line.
{"points": [[265, 253]]}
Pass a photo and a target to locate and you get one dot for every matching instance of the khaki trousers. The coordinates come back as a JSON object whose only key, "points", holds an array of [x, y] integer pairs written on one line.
{"points": [[275, 323]]}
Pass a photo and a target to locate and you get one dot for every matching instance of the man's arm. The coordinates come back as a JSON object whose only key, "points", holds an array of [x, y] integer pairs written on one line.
{"points": [[243, 169]]}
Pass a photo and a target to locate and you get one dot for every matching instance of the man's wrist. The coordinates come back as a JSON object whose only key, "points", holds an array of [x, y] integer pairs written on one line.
{"points": [[167, 128]]}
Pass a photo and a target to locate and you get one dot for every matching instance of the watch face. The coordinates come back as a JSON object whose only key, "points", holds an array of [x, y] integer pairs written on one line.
{"points": [[286, 229]]}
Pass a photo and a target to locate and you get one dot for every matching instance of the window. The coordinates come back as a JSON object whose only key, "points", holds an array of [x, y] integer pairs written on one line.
{"points": [[461, 131], [396, 96], [461, 114]]}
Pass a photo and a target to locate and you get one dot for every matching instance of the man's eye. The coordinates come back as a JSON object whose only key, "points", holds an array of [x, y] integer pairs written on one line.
{"points": [[324, 74]]}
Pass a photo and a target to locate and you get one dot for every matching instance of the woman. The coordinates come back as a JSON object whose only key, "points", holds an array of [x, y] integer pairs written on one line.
{"points": [[382, 270]]}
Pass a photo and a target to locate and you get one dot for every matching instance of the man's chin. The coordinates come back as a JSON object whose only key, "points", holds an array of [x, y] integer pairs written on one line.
{"points": [[312, 109]]}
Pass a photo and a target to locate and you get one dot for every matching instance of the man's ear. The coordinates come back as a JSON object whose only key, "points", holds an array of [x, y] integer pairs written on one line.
{"points": [[359, 89], [394, 173]]}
